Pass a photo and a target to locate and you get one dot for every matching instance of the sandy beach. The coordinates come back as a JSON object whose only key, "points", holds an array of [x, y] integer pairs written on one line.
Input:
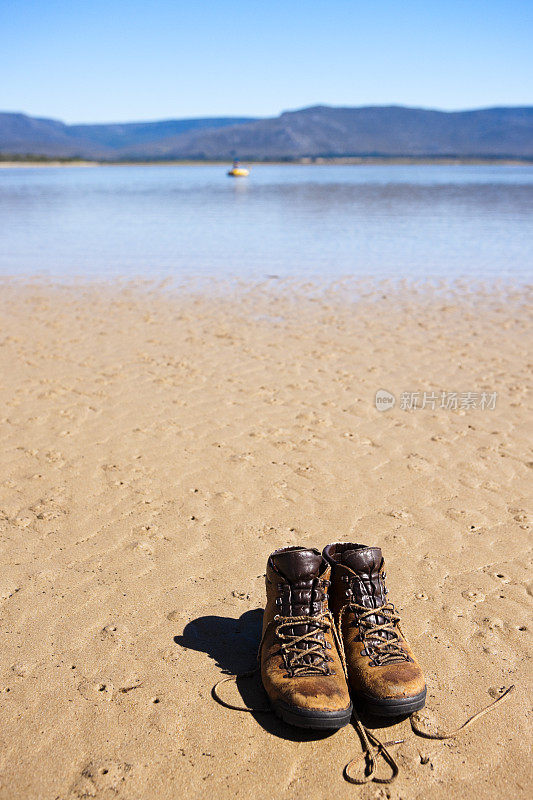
{"points": [[158, 444]]}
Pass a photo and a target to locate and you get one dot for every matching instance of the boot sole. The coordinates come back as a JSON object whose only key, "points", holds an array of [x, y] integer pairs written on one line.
{"points": [[390, 706], [311, 718]]}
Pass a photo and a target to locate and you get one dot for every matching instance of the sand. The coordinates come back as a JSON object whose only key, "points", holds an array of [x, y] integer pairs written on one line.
{"points": [[157, 445]]}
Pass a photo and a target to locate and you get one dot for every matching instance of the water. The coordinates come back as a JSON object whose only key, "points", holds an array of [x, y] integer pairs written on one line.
{"points": [[418, 222]]}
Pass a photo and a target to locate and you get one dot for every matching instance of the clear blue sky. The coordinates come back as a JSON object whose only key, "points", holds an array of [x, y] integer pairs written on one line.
{"points": [[117, 61]]}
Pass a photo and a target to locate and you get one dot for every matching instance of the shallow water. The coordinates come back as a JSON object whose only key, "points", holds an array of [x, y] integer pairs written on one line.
{"points": [[389, 221]]}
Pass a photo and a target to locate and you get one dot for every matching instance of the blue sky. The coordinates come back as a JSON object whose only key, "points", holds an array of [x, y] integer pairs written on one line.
{"points": [[96, 61]]}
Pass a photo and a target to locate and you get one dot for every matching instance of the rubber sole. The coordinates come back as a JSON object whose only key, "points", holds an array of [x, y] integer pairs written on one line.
{"points": [[311, 718], [390, 706]]}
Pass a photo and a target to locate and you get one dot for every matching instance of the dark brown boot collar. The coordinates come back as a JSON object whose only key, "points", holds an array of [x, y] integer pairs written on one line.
{"points": [[361, 567], [297, 563]]}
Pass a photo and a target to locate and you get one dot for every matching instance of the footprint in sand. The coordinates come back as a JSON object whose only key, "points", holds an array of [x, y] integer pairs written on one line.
{"points": [[474, 596], [148, 529], [399, 514], [100, 779], [48, 508], [23, 520], [418, 463], [109, 631], [113, 634], [491, 486], [7, 590], [55, 457], [494, 623], [520, 515], [240, 595], [170, 655], [96, 691], [501, 577], [225, 496], [145, 548], [22, 669]]}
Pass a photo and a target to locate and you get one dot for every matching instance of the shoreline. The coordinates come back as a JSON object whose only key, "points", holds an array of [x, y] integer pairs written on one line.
{"points": [[339, 289], [320, 162]]}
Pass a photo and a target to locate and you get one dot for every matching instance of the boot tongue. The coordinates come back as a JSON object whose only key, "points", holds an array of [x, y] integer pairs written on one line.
{"points": [[298, 565], [366, 563]]}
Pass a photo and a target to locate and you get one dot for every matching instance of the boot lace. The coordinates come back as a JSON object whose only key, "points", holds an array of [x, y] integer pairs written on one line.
{"points": [[372, 746], [296, 648], [381, 640]]}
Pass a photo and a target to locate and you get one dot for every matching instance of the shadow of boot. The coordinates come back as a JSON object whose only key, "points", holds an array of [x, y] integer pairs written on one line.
{"points": [[233, 645]]}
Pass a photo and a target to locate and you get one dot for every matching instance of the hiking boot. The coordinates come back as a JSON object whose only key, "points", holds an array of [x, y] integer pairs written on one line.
{"points": [[384, 676], [301, 667]]}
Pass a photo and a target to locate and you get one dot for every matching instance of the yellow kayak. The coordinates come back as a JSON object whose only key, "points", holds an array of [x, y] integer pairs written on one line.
{"points": [[239, 172]]}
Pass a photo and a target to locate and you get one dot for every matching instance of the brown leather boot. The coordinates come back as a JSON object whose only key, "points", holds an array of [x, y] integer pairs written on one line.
{"points": [[301, 667], [384, 676]]}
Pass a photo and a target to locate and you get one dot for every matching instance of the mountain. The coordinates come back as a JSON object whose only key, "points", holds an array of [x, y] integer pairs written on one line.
{"points": [[373, 131], [22, 134], [321, 131]]}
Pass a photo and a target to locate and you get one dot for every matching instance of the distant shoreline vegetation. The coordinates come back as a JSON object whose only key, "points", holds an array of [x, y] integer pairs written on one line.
{"points": [[30, 158], [40, 159]]}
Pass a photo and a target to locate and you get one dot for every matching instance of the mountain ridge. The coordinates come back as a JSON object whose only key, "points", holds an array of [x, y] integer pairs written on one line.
{"points": [[314, 132]]}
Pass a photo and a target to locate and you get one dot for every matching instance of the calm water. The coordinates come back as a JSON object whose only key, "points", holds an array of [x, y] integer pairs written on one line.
{"points": [[327, 221]]}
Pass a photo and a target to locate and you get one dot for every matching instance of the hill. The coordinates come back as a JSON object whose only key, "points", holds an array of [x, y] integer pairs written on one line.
{"points": [[22, 134], [320, 131]]}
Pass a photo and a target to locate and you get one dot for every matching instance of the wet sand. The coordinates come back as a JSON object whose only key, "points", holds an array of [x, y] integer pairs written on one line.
{"points": [[157, 445]]}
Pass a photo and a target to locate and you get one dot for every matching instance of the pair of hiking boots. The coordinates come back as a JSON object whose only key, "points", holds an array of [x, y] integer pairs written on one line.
{"points": [[330, 634]]}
